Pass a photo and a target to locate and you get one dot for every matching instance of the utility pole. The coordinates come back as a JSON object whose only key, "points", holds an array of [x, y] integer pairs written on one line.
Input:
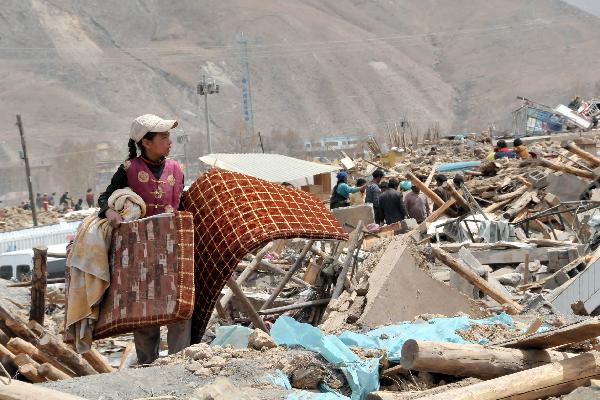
{"points": [[184, 139], [27, 171], [205, 88], [261, 143], [246, 90]]}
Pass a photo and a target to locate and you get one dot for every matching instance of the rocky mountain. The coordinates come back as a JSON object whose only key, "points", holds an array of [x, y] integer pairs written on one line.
{"points": [[78, 72]]}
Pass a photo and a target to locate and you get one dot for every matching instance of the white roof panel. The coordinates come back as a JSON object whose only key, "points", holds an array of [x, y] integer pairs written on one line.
{"points": [[270, 167]]}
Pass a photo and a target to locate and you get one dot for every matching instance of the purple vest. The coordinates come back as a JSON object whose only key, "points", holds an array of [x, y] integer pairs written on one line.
{"points": [[160, 195]]}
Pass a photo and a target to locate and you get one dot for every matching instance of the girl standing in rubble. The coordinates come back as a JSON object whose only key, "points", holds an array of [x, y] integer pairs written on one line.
{"points": [[159, 182]]}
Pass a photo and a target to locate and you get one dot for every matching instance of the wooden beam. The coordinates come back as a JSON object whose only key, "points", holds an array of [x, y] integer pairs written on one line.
{"points": [[98, 361], [573, 148], [459, 199], [295, 306], [353, 243], [573, 333], [247, 271], [67, 356], [566, 169], [51, 373], [473, 360], [518, 205], [20, 346], [247, 306], [428, 192], [38, 285], [486, 287], [288, 275], [17, 390], [548, 380], [510, 195]]}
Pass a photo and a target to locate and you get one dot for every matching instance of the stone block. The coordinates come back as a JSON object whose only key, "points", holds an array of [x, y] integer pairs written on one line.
{"points": [[348, 217], [399, 290], [567, 187]]}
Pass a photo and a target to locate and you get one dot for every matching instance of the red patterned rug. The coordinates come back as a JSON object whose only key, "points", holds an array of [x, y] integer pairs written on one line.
{"points": [[152, 269], [233, 215]]}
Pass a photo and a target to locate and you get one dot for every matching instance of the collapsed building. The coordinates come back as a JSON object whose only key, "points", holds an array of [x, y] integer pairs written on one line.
{"points": [[492, 296]]}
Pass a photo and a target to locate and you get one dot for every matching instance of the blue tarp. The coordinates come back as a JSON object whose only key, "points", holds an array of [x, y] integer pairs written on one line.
{"points": [[234, 335], [277, 379], [457, 166], [362, 375], [392, 337]]}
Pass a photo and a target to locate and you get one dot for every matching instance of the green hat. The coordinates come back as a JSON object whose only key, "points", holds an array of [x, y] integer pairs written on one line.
{"points": [[405, 185]]}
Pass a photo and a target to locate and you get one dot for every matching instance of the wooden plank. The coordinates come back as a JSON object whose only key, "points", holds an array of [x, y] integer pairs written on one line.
{"points": [[573, 333], [38, 285], [511, 306], [548, 380]]}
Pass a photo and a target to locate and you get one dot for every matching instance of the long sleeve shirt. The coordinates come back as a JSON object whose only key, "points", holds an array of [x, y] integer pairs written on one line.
{"points": [[391, 205], [372, 194], [416, 205]]}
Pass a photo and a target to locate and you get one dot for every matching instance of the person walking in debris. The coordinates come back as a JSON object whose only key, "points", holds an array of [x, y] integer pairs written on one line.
{"points": [[520, 149], [391, 203], [45, 202], [89, 198], [38, 201], [416, 204], [79, 205], [439, 190], [340, 195], [373, 192], [159, 182], [64, 201], [51, 199]]}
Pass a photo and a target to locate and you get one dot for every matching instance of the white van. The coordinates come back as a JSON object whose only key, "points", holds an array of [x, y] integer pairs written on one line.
{"points": [[16, 263]]}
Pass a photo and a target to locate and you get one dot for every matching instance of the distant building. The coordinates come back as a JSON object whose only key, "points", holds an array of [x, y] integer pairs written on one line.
{"points": [[329, 143], [530, 120]]}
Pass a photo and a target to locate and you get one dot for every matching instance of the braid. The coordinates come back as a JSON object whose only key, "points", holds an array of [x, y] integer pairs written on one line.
{"points": [[132, 149]]}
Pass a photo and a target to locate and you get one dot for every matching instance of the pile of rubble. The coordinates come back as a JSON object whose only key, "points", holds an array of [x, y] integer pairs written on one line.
{"points": [[492, 296], [14, 218]]}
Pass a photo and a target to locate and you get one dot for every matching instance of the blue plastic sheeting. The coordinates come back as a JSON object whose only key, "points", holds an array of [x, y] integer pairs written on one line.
{"points": [[362, 375], [235, 335], [435, 330], [304, 395], [277, 379], [457, 166]]}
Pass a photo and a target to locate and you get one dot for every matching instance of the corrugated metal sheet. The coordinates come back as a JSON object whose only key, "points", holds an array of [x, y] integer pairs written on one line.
{"points": [[42, 235], [270, 167]]}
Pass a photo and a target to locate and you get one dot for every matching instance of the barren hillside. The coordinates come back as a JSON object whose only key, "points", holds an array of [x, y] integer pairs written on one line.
{"points": [[82, 70]]}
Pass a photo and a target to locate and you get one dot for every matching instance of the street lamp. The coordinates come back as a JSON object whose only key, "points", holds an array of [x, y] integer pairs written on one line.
{"points": [[205, 88]]}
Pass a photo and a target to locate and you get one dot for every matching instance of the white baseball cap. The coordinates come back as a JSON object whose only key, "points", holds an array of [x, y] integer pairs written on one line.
{"points": [[149, 123]]}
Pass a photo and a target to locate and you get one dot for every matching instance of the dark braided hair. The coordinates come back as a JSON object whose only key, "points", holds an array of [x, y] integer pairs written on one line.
{"points": [[132, 145]]}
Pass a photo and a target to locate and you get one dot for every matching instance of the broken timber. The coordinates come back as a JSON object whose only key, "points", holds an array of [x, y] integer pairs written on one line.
{"points": [[573, 333], [473, 360], [511, 306]]}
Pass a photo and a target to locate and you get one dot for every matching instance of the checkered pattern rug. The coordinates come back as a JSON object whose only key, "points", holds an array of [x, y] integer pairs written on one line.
{"points": [[233, 215]]}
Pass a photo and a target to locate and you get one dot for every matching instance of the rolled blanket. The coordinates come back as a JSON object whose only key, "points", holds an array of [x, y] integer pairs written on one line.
{"points": [[89, 268]]}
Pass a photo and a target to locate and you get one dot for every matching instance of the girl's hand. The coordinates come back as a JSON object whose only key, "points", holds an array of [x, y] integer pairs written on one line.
{"points": [[114, 218]]}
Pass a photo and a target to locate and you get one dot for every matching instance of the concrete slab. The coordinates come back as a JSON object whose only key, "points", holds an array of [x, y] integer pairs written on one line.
{"points": [[566, 187], [399, 290], [351, 215]]}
